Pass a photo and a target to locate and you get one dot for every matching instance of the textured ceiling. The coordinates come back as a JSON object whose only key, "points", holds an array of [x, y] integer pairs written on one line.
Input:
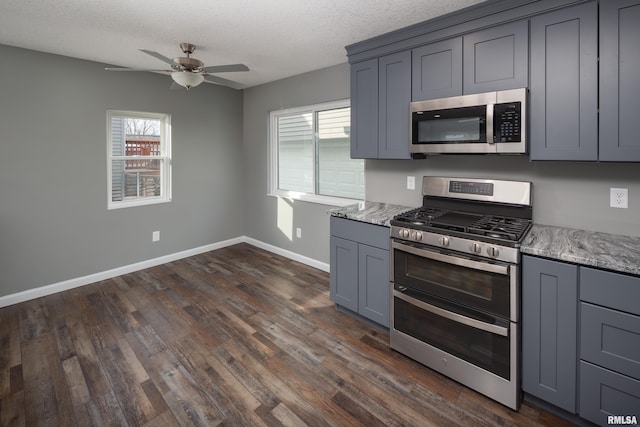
{"points": [[275, 38]]}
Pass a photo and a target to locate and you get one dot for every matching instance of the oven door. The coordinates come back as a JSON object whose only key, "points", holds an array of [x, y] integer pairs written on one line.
{"points": [[478, 339], [464, 280]]}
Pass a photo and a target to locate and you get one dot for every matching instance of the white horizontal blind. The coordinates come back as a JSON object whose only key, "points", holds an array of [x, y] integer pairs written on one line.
{"points": [[295, 153]]}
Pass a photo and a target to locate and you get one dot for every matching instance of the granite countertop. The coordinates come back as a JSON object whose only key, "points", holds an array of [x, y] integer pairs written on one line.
{"points": [[590, 248], [371, 212]]}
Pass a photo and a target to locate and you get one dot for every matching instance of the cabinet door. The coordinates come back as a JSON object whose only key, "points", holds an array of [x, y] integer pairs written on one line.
{"points": [[496, 58], [343, 285], [373, 297], [605, 393], [564, 85], [619, 82], [393, 113], [549, 331], [437, 70], [364, 110]]}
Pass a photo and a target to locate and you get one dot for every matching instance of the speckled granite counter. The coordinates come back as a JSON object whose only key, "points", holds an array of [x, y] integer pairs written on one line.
{"points": [[371, 212], [594, 249]]}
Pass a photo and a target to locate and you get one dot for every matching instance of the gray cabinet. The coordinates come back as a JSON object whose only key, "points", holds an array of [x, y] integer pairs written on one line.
{"points": [[364, 110], [437, 70], [380, 97], [619, 83], [609, 345], [343, 257], [493, 59], [549, 331], [564, 81], [359, 268], [496, 58], [394, 86]]}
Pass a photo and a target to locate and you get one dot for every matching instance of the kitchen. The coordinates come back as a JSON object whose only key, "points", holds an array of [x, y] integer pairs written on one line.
{"points": [[571, 194]]}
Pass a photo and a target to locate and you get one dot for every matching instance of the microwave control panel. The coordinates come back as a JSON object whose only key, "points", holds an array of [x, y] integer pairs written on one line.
{"points": [[506, 122]]}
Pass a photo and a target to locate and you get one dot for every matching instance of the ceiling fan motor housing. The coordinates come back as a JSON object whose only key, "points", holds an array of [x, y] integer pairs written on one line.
{"points": [[187, 64]]}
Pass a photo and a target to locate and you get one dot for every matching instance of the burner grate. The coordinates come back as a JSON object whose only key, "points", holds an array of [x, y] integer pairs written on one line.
{"points": [[500, 227]]}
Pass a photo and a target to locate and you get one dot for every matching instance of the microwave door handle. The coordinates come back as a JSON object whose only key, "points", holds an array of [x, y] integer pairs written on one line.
{"points": [[459, 318], [489, 126]]}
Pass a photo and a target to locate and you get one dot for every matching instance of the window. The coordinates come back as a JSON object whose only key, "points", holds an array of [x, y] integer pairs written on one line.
{"points": [[139, 158], [310, 155]]}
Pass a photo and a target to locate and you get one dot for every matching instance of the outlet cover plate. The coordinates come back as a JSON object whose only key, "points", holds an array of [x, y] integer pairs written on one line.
{"points": [[619, 198]]}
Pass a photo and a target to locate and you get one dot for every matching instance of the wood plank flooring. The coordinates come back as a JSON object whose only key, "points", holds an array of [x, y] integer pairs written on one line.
{"points": [[237, 336]]}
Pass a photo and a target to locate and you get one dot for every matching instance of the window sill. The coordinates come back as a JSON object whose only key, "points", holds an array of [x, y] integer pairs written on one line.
{"points": [[137, 202], [314, 198]]}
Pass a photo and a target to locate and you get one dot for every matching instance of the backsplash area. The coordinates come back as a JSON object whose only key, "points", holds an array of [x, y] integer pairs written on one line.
{"points": [[567, 194]]}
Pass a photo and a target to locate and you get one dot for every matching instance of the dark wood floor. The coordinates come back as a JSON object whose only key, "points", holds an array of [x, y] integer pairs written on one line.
{"points": [[237, 336]]}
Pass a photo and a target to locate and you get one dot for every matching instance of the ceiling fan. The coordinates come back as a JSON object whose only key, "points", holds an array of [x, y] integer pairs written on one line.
{"points": [[189, 72]]}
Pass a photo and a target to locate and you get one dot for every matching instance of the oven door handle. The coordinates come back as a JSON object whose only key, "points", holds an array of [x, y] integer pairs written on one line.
{"points": [[478, 324], [449, 259]]}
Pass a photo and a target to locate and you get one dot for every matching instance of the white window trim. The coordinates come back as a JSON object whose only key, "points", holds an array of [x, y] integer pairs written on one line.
{"points": [[165, 156], [273, 158]]}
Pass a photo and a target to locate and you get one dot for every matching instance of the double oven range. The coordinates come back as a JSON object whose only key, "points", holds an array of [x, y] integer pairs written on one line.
{"points": [[455, 282]]}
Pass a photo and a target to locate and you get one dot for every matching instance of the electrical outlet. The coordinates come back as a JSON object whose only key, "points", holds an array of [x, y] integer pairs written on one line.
{"points": [[619, 198], [299, 233], [155, 236], [411, 183]]}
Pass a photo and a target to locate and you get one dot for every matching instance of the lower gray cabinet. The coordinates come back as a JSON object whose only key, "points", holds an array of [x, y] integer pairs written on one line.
{"points": [[343, 258], [359, 262], [609, 345], [549, 331]]}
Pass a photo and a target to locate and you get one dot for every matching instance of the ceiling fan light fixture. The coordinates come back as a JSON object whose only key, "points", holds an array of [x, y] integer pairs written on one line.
{"points": [[187, 79]]}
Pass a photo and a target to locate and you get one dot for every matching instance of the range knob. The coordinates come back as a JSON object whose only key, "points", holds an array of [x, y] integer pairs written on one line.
{"points": [[444, 241], [404, 233], [418, 236], [475, 248], [493, 251]]}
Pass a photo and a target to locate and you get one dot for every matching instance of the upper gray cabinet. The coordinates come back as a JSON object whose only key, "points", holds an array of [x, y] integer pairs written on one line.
{"points": [[564, 81], [496, 58], [493, 59], [619, 82], [380, 97], [394, 96], [437, 70], [364, 109]]}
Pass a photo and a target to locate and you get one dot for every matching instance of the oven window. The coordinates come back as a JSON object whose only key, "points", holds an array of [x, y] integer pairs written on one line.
{"points": [[481, 348], [477, 289]]}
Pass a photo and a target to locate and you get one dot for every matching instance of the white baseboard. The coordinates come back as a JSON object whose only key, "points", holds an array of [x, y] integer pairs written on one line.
{"points": [[288, 254], [42, 291]]}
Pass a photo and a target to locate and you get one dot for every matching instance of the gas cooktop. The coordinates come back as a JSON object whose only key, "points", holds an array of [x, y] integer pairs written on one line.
{"points": [[488, 225]]}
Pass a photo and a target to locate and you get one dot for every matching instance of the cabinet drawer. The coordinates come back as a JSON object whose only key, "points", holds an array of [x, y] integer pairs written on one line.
{"points": [[604, 393], [361, 232], [610, 339], [613, 290]]}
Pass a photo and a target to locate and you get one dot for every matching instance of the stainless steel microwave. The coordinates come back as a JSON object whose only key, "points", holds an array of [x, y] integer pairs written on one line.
{"points": [[492, 122]]}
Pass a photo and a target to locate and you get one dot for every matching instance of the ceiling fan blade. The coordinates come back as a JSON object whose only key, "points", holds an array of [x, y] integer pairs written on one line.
{"points": [[225, 68], [161, 58], [223, 82], [134, 69]]}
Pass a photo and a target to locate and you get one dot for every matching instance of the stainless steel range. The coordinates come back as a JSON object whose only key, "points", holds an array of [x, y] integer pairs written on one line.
{"points": [[455, 273]]}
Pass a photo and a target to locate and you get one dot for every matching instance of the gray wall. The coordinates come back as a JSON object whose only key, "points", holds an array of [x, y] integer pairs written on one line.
{"points": [[269, 219], [564, 193], [54, 222]]}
